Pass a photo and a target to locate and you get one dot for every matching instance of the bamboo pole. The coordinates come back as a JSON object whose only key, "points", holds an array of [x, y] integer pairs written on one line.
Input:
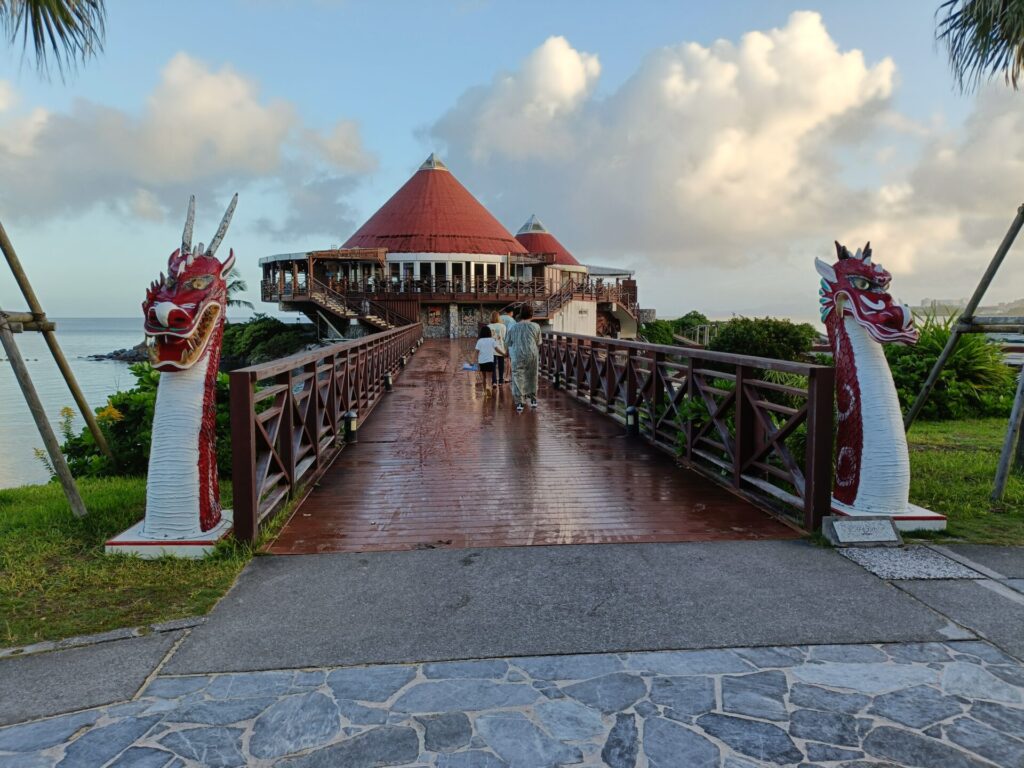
{"points": [[39, 316], [968, 317], [60, 466], [1010, 442]]}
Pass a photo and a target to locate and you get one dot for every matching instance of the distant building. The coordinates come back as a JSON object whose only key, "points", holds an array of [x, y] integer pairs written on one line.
{"points": [[434, 253]]}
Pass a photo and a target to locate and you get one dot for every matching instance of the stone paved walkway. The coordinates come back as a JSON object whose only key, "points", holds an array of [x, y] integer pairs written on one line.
{"points": [[928, 704], [937, 684]]}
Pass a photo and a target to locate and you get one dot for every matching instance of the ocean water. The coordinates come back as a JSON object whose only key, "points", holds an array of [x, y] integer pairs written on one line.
{"points": [[79, 338]]}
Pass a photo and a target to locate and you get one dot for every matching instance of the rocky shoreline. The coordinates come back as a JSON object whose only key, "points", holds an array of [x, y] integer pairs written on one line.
{"points": [[136, 354]]}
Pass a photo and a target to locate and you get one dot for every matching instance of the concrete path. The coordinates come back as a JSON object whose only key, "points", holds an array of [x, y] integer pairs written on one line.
{"points": [[381, 607], [804, 657]]}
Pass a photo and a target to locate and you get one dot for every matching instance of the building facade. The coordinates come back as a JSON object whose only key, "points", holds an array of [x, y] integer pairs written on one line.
{"points": [[434, 254]]}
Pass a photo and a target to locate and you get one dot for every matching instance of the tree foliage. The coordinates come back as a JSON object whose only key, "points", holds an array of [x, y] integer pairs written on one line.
{"points": [[984, 38], [61, 32], [975, 381], [662, 331], [770, 337], [263, 338]]}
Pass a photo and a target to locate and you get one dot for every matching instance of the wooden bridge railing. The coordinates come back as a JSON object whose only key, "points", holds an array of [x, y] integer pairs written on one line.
{"points": [[760, 426], [288, 416]]}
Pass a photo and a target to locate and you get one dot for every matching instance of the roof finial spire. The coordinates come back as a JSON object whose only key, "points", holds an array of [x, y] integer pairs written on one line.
{"points": [[433, 163]]}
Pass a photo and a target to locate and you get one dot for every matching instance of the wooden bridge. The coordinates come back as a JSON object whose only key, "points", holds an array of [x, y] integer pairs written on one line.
{"points": [[387, 443]]}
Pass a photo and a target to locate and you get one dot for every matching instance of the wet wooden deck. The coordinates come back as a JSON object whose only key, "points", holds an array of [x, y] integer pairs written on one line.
{"points": [[442, 464]]}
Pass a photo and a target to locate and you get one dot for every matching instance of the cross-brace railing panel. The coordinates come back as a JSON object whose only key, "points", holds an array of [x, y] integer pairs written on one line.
{"points": [[762, 427], [288, 416]]}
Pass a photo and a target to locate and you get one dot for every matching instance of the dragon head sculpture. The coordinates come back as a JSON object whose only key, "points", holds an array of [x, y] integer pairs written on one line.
{"points": [[184, 309], [857, 287]]}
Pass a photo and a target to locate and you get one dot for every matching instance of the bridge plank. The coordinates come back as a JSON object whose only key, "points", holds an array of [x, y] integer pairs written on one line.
{"points": [[441, 464]]}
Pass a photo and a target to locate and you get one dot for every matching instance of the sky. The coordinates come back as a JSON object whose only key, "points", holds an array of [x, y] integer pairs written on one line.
{"points": [[715, 148]]}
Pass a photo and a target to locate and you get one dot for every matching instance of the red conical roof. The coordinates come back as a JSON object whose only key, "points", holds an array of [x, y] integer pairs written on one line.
{"points": [[434, 213], [536, 239]]}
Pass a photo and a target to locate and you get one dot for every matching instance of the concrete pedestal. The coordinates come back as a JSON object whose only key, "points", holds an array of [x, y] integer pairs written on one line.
{"points": [[134, 542], [915, 518]]}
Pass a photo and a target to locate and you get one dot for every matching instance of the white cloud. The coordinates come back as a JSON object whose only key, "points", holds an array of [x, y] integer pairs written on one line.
{"points": [[529, 112], [738, 155], [343, 147], [6, 95], [202, 130], [704, 147]]}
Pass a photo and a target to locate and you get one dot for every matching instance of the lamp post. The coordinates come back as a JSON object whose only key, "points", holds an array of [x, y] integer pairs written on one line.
{"points": [[351, 427], [632, 421]]}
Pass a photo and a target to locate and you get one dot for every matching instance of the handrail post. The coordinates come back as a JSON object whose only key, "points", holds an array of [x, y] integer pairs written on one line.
{"points": [[631, 399], [243, 456], [593, 380], [691, 394], [818, 459], [611, 377], [657, 387], [744, 424], [313, 410], [286, 426]]}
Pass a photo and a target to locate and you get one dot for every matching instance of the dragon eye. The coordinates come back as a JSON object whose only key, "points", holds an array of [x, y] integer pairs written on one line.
{"points": [[200, 283], [860, 283]]}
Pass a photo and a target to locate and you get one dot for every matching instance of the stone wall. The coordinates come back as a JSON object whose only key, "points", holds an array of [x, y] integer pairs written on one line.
{"points": [[454, 321]]}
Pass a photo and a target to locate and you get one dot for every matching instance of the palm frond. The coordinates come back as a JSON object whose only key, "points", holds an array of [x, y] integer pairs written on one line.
{"points": [[984, 38], [237, 285], [61, 32]]}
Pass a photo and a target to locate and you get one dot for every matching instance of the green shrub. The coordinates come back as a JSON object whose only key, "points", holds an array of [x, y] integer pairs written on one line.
{"points": [[263, 338], [765, 337], [127, 418], [688, 322], [975, 382], [662, 331], [657, 332], [127, 423]]}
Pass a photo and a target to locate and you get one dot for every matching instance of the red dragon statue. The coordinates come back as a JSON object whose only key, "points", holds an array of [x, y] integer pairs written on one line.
{"points": [[184, 323], [872, 462]]}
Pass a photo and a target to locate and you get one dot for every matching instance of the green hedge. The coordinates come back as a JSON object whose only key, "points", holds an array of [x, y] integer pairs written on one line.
{"points": [[765, 337]]}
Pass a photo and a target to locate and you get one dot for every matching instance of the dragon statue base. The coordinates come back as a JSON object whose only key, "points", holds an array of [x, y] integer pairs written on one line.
{"points": [[184, 324], [872, 460]]}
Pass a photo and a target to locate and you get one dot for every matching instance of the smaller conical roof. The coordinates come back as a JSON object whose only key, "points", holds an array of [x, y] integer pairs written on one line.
{"points": [[536, 239]]}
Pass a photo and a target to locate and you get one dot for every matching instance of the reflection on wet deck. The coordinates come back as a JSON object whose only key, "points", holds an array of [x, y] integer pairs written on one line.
{"points": [[441, 464]]}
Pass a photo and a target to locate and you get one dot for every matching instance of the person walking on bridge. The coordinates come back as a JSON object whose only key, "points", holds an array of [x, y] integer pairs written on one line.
{"points": [[523, 344], [498, 333]]}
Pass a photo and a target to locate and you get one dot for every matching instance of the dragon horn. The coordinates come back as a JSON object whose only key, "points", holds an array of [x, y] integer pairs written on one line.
{"points": [[840, 250], [223, 228], [190, 220]]}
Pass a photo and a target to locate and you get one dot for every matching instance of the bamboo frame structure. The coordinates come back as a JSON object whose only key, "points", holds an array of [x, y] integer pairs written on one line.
{"points": [[60, 466], [969, 323], [35, 320]]}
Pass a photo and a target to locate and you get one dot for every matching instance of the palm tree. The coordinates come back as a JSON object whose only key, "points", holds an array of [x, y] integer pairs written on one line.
{"points": [[63, 32], [984, 38], [237, 285]]}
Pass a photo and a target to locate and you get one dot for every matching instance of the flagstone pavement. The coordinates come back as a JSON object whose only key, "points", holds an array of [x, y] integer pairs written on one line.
{"points": [[927, 704]]}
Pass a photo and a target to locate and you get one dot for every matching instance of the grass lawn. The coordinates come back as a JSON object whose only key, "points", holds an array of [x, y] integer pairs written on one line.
{"points": [[953, 467], [56, 582]]}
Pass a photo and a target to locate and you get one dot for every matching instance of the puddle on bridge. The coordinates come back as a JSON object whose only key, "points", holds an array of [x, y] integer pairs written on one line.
{"points": [[442, 464]]}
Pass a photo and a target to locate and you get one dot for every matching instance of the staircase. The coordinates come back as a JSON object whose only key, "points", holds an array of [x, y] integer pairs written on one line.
{"points": [[365, 311]]}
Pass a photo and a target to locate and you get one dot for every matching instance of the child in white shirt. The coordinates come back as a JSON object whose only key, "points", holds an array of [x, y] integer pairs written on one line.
{"points": [[485, 346]]}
